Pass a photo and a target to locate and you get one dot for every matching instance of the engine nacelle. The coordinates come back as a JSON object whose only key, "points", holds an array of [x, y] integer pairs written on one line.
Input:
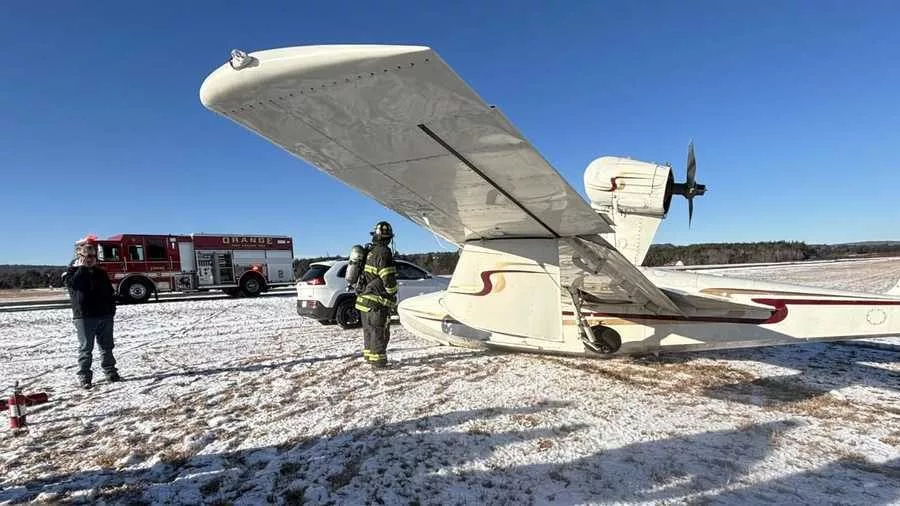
{"points": [[622, 185], [632, 195]]}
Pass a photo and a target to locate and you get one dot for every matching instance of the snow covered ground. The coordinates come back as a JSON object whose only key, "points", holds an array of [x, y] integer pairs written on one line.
{"points": [[242, 401]]}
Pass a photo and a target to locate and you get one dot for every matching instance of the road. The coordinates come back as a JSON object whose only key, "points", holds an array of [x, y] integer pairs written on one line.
{"points": [[63, 303]]}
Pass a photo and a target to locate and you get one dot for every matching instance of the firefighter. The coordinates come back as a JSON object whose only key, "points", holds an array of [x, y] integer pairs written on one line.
{"points": [[93, 310], [377, 295]]}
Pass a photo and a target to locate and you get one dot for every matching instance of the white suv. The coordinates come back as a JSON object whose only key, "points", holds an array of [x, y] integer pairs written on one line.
{"points": [[322, 292]]}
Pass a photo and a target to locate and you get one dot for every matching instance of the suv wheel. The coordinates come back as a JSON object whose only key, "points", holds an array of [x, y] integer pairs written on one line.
{"points": [[347, 315]]}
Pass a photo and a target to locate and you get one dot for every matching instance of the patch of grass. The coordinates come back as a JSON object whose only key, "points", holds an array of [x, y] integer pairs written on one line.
{"points": [[292, 497], [333, 431], [892, 439], [108, 458], [175, 457], [478, 429], [824, 406], [124, 494], [527, 420], [342, 479], [294, 443], [289, 468], [211, 487]]}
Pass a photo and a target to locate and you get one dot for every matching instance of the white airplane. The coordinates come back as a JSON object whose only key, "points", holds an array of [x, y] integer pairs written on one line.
{"points": [[540, 269]]}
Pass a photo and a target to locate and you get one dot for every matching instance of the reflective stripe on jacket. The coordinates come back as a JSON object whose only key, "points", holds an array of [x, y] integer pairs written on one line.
{"points": [[380, 280]]}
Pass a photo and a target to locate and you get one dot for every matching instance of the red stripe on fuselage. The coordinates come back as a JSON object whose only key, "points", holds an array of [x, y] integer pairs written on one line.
{"points": [[487, 286], [778, 315], [685, 319]]}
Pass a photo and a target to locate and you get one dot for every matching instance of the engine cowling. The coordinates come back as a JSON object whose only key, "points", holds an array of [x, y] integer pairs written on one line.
{"points": [[633, 196], [618, 185]]}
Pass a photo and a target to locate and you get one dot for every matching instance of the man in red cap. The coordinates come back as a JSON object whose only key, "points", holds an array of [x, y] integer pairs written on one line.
{"points": [[93, 310]]}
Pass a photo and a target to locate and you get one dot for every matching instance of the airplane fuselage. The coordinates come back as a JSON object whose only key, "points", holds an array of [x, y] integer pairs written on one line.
{"points": [[502, 300]]}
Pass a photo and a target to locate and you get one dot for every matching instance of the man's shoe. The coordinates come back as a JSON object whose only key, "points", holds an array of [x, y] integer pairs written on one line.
{"points": [[85, 383], [379, 364], [113, 377]]}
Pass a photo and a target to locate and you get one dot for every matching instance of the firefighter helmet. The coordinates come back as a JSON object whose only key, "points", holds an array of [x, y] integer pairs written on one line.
{"points": [[382, 230]]}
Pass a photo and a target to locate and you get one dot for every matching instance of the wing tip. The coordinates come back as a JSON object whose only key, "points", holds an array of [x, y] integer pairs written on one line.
{"points": [[311, 60]]}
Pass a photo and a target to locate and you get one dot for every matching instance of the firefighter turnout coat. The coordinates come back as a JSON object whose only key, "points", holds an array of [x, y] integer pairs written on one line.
{"points": [[378, 280]]}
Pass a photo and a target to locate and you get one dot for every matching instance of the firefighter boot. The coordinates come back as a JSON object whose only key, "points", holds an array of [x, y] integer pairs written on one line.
{"points": [[381, 320]]}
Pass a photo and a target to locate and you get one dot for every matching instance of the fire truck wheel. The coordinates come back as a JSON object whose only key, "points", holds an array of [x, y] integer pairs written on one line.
{"points": [[136, 291], [347, 315], [251, 285]]}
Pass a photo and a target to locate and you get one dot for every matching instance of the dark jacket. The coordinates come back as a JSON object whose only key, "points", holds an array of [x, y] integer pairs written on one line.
{"points": [[378, 281], [91, 292]]}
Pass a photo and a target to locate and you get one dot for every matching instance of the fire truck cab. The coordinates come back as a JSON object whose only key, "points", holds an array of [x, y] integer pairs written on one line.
{"points": [[140, 264]]}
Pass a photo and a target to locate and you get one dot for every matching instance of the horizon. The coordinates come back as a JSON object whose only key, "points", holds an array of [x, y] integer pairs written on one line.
{"points": [[105, 134], [324, 256]]}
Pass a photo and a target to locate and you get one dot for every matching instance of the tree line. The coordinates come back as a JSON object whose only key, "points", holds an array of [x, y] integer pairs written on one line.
{"points": [[437, 263], [763, 252], [31, 276], [443, 262]]}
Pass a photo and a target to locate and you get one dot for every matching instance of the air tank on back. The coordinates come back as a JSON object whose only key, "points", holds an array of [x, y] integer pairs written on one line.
{"points": [[356, 263]]}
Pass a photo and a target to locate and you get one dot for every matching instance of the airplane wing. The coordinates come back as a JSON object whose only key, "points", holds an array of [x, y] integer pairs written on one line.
{"points": [[397, 124]]}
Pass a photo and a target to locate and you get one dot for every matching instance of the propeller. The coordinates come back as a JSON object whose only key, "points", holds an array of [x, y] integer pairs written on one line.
{"points": [[689, 188]]}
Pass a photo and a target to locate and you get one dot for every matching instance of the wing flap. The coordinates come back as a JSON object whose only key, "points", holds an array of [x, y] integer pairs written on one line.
{"points": [[592, 265]]}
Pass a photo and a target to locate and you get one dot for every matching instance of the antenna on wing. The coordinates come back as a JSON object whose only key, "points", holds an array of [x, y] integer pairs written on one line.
{"points": [[689, 188]]}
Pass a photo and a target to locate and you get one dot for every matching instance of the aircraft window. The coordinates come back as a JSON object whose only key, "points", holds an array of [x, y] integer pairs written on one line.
{"points": [[156, 249], [407, 271], [136, 253]]}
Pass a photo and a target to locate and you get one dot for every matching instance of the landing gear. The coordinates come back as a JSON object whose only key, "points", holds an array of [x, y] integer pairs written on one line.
{"points": [[599, 339], [606, 340]]}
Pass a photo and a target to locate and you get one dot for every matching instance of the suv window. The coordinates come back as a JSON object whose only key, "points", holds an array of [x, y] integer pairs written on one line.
{"points": [[407, 271], [342, 272], [315, 271]]}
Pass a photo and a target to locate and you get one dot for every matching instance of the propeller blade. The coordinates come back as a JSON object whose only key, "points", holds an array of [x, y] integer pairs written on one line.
{"points": [[691, 166], [690, 211]]}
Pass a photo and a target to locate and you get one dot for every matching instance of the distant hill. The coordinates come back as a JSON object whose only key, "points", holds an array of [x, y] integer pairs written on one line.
{"points": [[442, 262]]}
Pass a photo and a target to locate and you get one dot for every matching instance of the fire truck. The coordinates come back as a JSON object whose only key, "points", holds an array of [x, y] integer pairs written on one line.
{"points": [[141, 264]]}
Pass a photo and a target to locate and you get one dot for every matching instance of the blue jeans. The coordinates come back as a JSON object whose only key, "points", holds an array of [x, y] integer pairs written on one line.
{"points": [[89, 329]]}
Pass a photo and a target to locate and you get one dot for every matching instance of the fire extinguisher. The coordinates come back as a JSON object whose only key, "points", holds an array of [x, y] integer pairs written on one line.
{"points": [[17, 404]]}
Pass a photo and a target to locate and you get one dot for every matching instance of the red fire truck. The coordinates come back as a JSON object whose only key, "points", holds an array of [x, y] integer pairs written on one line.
{"points": [[139, 264]]}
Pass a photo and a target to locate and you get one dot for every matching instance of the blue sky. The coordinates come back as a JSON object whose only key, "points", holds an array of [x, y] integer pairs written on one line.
{"points": [[793, 108]]}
